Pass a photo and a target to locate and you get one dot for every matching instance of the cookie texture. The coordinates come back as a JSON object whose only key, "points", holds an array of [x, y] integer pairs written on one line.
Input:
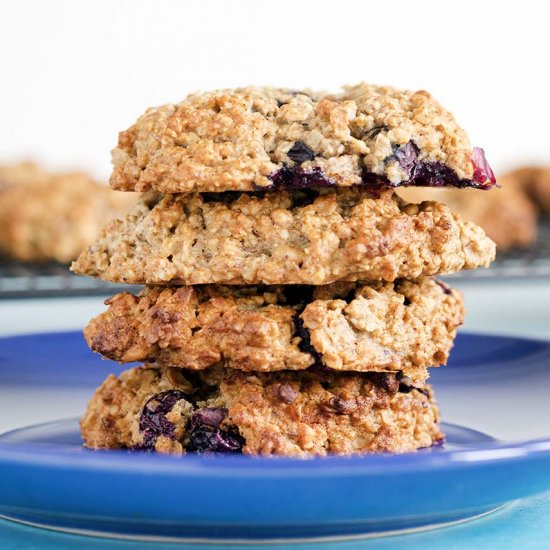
{"points": [[300, 237], [299, 414], [250, 138], [53, 216], [402, 326], [506, 214]]}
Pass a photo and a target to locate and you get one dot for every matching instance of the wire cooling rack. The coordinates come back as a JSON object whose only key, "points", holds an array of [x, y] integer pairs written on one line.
{"points": [[529, 262], [18, 280]]}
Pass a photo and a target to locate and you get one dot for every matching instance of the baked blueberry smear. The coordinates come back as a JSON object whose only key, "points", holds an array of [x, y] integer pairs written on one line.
{"points": [[419, 173], [431, 174], [294, 177], [153, 422], [206, 436]]}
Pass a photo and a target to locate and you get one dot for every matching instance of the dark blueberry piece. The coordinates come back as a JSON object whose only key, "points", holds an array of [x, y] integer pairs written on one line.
{"points": [[153, 422], [294, 177], [439, 442], [215, 441], [209, 416], [305, 341], [300, 152], [206, 436], [406, 156], [436, 174], [375, 183], [446, 288]]}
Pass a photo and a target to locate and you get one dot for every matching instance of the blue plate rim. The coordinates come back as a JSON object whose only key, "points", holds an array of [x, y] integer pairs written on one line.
{"points": [[478, 454], [227, 465]]}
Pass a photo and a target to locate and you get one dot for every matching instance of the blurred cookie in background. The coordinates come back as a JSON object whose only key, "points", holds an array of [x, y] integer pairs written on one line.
{"points": [[21, 173], [535, 182], [539, 189], [506, 214], [53, 216]]}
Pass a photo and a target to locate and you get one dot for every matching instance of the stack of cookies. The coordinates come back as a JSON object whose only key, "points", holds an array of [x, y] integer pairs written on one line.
{"points": [[290, 306]]}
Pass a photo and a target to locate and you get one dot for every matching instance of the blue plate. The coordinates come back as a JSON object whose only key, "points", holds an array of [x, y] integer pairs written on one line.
{"points": [[493, 387]]}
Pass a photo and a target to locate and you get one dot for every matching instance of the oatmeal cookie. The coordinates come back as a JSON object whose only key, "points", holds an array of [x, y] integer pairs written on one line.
{"points": [[535, 182], [539, 190], [257, 138], [282, 237], [300, 414], [507, 215], [22, 173], [53, 216], [402, 326]]}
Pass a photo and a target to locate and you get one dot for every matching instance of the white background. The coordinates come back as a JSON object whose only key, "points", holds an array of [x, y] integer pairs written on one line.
{"points": [[74, 73]]}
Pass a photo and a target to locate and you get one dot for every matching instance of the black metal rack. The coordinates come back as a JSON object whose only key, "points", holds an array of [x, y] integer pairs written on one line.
{"points": [[532, 262], [22, 280]]}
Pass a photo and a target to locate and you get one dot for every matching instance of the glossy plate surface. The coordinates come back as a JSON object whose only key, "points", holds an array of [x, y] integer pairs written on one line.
{"points": [[493, 385]]}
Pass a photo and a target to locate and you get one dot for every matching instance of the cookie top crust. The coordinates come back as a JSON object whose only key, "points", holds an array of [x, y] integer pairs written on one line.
{"points": [[385, 327], [257, 138], [301, 414], [53, 216], [283, 237]]}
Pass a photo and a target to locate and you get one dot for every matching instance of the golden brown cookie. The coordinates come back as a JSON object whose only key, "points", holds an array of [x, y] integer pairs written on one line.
{"points": [[402, 326], [535, 182], [539, 189], [257, 138], [22, 173], [300, 414], [305, 237], [53, 216]]}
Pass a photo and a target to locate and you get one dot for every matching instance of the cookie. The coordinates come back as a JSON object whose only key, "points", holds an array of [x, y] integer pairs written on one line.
{"points": [[540, 189], [258, 138], [53, 216], [402, 326], [286, 413], [22, 173], [535, 182], [506, 214], [282, 237]]}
